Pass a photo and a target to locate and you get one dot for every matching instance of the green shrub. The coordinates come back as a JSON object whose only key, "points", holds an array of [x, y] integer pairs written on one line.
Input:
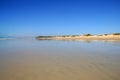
{"points": [[116, 34], [87, 35]]}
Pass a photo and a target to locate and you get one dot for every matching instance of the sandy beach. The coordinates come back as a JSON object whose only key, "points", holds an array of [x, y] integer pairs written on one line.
{"points": [[60, 40], [59, 60], [93, 37]]}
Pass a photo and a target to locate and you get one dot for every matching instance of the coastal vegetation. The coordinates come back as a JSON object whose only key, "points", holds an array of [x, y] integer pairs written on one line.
{"points": [[87, 35], [44, 37], [116, 34], [113, 36]]}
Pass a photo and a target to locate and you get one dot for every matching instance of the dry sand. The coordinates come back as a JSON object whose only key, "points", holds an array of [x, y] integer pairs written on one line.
{"points": [[103, 37]]}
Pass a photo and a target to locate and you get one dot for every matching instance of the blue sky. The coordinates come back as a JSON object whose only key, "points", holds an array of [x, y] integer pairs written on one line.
{"points": [[58, 17]]}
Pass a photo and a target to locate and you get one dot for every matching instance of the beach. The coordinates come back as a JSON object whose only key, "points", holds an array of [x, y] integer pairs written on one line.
{"points": [[60, 40], [82, 37], [33, 59]]}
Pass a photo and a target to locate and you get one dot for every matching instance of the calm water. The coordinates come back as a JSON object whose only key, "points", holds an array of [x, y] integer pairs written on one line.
{"points": [[30, 59]]}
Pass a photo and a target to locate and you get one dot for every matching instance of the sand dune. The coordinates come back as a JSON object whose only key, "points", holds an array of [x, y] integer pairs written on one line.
{"points": [[94, 37]]}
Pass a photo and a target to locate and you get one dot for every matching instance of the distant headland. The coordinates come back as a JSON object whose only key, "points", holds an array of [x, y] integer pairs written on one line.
{"points": [[112, 36]]}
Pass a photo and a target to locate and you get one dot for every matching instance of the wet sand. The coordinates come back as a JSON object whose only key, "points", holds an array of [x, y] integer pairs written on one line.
{"points": [[59, 60]]}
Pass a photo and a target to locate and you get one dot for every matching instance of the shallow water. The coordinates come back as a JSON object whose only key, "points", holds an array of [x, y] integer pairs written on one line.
{"points": [[31, 59]]}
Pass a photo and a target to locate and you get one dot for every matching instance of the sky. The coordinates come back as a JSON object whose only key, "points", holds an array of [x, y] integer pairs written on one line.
{"points": [[59, 17]]}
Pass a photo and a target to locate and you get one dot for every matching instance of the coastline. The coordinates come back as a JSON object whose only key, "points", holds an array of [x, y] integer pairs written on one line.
{"points": [[81, 37], [6, 38]]}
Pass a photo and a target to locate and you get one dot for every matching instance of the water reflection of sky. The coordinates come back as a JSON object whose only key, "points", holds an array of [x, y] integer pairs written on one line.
{"points": [[81, 45], [18, 54]]}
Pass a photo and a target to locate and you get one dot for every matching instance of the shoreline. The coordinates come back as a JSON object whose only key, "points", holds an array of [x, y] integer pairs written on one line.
{"points": [[81, 37]]}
